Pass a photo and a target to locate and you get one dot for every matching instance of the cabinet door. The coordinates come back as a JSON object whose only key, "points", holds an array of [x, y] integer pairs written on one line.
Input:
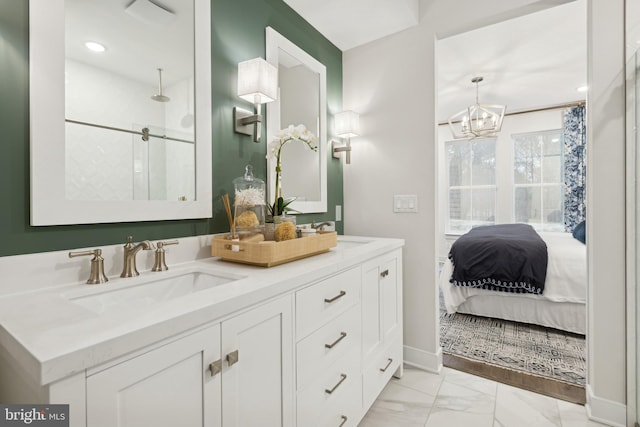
{"points": [[168, 386], [257, 373], [389, 305], [371, 325]]}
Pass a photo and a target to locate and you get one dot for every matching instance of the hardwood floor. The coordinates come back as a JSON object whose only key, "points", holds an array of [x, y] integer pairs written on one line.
{"points": [[547, 386]]}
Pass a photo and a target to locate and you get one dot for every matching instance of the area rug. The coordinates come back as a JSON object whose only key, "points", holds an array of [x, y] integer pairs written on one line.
{"points": [[530, 349]]}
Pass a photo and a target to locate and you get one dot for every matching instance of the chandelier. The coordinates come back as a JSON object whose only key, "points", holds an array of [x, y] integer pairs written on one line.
{"points": [[477, 119]]}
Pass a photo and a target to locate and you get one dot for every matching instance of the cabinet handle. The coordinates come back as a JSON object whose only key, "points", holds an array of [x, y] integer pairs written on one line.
{"points": [[342, 378], [342, 335], [215, 367], [384, 273], [344, 420], [340, 295], [232, 358], [390, 361]]}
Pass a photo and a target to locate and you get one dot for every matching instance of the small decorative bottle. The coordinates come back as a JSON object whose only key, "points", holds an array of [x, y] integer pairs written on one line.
{"points": [[249, 203]]}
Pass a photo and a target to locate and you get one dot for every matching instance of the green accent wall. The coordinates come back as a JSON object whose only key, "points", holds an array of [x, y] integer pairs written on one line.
{"points": [[238, 34]]}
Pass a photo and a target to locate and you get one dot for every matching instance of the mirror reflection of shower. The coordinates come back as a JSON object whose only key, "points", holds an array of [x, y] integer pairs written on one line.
{"points": [[159, 96]]}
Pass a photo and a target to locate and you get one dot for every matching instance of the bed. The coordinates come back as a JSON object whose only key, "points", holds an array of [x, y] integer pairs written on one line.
{"points": [[561, 305]]}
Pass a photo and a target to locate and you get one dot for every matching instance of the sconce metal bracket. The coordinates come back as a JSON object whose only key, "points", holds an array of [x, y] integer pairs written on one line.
{"points": [[247, 123], [338, 147]]}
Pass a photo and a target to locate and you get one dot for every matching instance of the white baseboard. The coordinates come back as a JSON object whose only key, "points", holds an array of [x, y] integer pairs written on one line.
{"points": [[605, 411], [421, 359]]}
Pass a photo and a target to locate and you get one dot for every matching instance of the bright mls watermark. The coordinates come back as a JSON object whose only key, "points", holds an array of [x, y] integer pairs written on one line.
{"points": [[34, 415]]}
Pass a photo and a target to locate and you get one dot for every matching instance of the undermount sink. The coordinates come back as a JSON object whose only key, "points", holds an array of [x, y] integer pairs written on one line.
{"points": [[142, 295]]}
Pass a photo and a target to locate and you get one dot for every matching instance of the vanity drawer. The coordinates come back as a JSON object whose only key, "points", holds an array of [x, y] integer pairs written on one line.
{"points": [[376, 374], [317, 407], [334, 341], [318, 304]]}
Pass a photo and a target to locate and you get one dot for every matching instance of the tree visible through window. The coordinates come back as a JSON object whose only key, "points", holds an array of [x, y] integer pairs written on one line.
{"points": [[471, 183], [538, 168]]}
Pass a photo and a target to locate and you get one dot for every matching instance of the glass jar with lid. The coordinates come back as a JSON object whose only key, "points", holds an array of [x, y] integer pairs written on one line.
{"points": [[249, 203]]}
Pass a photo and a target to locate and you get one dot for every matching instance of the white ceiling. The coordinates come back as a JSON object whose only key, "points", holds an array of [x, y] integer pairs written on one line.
{"points": [[351, 23], [533, 61], [135, 47]]}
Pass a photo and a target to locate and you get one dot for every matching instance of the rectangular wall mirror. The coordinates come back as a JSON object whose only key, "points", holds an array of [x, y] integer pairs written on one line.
{"points": [[121, 129], [302, 99]]}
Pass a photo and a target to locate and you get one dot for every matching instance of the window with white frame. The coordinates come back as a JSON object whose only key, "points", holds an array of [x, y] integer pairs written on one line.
{"points": [[471, 172], [538, 179]]}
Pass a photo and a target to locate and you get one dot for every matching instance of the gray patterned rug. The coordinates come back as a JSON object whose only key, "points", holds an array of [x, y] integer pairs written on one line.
{"points": [[521, 347]]}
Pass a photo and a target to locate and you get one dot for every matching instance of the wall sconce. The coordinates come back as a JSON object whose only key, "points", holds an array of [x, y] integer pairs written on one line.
{"points": [[257, 83], [347, 125]]}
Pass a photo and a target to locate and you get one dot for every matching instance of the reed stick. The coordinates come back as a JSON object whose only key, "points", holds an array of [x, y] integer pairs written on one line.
{"points": [[227, 208]]}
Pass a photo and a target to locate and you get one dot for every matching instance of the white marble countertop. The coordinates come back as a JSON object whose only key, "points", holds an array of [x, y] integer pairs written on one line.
{"points": [[52, 336]]}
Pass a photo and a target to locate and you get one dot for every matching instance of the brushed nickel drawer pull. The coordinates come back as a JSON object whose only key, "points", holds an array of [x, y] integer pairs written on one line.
{"points": [[232, 358], [384, 273], [215, 367], [344, 420], [340, 295], [390, 361], [342, 378], [342, 335]]}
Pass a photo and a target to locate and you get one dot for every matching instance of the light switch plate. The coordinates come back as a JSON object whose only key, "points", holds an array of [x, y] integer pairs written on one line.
{"points": [[405, 203]]}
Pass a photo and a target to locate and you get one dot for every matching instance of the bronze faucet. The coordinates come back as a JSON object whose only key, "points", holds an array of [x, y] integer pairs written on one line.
{"points": [[130, 251], [320, 226], [97, 266]]}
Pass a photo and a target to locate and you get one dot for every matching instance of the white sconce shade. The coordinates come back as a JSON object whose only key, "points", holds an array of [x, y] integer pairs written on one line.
{"points": [[257, 81], [347, 124]]}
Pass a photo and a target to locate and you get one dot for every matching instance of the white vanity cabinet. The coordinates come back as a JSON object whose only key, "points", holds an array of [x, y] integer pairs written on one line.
{"points": [[167, 386], [308, 343], [381, 323], [235, 373], [328, 357]]}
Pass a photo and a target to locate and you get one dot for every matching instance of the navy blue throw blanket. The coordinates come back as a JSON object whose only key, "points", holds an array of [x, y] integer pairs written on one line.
{"points": [[504, 257]]}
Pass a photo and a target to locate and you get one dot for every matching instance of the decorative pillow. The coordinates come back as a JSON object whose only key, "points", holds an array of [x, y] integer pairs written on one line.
{"points": [[580, 232]]}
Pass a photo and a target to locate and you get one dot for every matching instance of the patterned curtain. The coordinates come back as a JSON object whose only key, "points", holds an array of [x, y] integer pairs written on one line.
{"points": [[575, 146]]}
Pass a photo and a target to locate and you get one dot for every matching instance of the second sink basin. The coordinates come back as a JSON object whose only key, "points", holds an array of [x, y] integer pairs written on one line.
{"points": [[149, 292]]}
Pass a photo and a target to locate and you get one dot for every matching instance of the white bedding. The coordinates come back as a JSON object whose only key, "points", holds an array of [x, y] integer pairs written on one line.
{"points": [[566, 282]]}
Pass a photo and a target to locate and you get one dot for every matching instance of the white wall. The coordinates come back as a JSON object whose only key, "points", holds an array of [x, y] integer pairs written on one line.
{"points": [[391, 83], [606, 210]]}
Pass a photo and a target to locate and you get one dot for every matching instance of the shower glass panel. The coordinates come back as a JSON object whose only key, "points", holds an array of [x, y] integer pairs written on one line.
{"points": [[108, 165]]}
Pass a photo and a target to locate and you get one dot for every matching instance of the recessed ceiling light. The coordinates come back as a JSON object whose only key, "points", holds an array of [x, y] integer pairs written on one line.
{"points": [[582, 89], [95, 47]]}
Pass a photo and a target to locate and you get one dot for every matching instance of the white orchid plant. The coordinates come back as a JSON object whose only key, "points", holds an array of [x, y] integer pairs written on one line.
{"points": [[274, 151]]}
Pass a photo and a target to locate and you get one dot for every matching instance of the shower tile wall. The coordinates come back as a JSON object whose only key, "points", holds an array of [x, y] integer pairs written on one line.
{"points": [[109, 165]]}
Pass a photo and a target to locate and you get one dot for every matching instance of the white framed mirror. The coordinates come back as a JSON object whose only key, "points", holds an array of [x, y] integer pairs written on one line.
{"points": [[302, 99], [105, 147]]}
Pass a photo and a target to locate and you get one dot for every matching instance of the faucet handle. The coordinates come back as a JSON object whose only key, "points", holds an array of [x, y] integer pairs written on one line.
{"points": [[97, 266], [159, 263]]}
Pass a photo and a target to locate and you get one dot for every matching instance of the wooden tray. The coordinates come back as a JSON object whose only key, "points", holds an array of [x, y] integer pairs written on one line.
{"points": [[271, 253]]}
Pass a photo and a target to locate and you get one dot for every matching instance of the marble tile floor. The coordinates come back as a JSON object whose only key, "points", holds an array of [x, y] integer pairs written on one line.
{"points": [[457, 399]]}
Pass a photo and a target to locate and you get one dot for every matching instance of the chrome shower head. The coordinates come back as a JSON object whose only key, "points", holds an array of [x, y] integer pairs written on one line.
{"points": [[159, 96]]}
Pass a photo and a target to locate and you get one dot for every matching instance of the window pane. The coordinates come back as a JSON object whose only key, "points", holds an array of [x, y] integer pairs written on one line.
{"points": [[552, 198], [471, 207], [459, 204], [526, 160], [484, 206], [527, 204], [553, 161], [458, 158], [484, 162]]}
